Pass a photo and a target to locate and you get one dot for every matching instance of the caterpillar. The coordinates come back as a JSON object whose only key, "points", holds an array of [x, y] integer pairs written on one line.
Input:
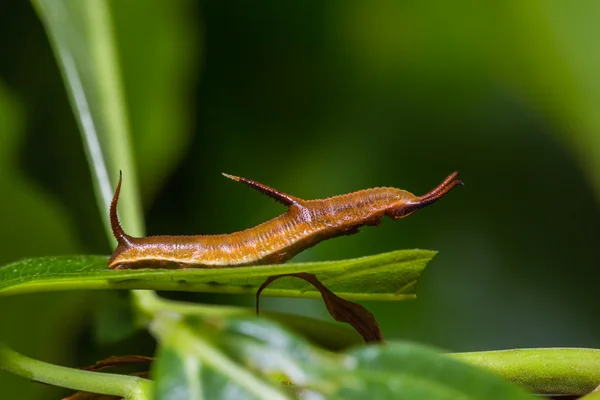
{"points": [[306, 223]]}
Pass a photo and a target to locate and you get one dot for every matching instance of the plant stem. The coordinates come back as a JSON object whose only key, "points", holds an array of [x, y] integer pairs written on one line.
{"points": [[129, 387], [572, 371]]}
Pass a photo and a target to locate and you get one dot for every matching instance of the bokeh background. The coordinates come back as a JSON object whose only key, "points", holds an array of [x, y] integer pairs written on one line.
{"points": [[316, 99]]}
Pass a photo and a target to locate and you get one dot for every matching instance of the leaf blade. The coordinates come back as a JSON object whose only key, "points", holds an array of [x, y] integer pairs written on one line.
{"points": [[397, 370], [90, 272], [83, 41], [429, 372]]}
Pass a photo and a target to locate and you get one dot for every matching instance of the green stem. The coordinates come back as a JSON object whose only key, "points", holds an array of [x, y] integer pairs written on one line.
{"points": [[129, 387], [572, 371]]}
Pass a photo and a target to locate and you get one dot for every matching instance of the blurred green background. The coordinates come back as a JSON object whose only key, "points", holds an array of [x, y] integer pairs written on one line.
{"points": [[317, 99]]}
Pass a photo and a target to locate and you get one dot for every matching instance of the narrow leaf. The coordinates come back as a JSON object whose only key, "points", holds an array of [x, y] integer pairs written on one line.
{"points": [[82, 38], [116, 361], [388, 276]]}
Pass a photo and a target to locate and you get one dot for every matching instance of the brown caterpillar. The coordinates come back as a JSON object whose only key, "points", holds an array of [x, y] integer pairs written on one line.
{"points": [[306, 223]]}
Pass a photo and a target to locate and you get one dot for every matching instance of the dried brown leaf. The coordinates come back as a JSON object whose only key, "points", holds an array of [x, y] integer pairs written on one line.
{"points": [[116, 361], [340, 309]]}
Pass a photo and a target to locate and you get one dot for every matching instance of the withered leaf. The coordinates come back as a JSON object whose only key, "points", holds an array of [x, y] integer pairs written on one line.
{"points": [[116, 361], [340, 309]]}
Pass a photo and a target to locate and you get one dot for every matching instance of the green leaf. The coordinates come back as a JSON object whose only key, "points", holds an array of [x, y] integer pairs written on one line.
{"points": [[183, 376], [256, 352], [394, 371], [595, 395], [409, 371], [81, 35], [179, 375], [189, 366], [388, 276]]}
